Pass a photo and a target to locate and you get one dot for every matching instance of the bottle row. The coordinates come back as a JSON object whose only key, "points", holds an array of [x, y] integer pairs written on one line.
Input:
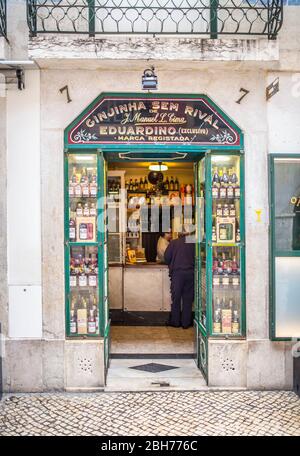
{"points": [[226, 318], [225, 183], [84, 317], [84, 271], [142, 184], [83, 184]]}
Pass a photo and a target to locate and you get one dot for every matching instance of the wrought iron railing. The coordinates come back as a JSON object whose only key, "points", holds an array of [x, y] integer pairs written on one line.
{"points": [[201, 17], [3, 22]]}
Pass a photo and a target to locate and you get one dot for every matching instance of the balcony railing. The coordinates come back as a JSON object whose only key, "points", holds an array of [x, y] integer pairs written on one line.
{"points": [[196, 17], [3, 26]]}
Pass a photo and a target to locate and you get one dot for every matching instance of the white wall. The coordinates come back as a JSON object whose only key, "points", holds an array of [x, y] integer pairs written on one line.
{"points": [[24, 208]]}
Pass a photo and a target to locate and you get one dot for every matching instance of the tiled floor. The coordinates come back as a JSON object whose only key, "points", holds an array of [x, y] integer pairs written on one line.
{"points": [[183, 376], [152, 414], [151, 340]]}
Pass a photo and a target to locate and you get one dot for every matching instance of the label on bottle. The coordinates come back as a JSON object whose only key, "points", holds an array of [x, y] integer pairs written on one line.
{"points": [[237, 192], [71, 190], [217, 327], [219, 211], [223, 192], [226, 321], [90, 231], [230, 192], [73, 280], [86, 212], [93, 211], [73, 327], [83, 280], [82, 321], [92, 327], [216, 280], [78, 190], [93, 190], [83, 232], [223, 233], [235, 280], [85, 190], [226, 211], [72, 233], [225, 280], [235, 328], [215, 192], [92, 280], [79, 211]]}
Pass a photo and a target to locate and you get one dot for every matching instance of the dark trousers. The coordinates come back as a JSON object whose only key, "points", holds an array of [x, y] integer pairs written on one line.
{"points": [[182, 288]]}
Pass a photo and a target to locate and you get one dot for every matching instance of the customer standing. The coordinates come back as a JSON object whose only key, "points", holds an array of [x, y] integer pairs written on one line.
{"points": [[180, 257]]}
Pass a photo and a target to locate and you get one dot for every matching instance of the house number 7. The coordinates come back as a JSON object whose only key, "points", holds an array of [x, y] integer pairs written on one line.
{"points": [[243, 96], [66, 89]]}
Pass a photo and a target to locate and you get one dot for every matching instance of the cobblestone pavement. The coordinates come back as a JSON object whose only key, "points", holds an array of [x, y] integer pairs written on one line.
{"points": [[152, 414]]}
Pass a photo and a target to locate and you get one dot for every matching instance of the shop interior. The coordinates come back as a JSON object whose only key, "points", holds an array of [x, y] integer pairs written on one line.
{"points": [[145, 201]]}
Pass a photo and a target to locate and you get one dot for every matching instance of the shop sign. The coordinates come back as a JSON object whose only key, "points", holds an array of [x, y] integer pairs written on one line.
{"points": [[153, 120]]}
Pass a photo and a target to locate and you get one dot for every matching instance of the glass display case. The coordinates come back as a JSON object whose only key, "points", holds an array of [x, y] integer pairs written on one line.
{"points": [[82, 245], [225, 241]]}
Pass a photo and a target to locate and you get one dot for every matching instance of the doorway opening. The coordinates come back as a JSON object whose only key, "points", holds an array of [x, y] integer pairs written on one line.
{"points": [[154, 208]]}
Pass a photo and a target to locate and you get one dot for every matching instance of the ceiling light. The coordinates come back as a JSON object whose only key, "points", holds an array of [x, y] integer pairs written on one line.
{"points": [[158, 167]]}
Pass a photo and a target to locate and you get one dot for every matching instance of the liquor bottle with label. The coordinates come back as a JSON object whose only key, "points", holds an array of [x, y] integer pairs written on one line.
{"points": [[176, 185], [86, 210], [82, 317], [238, 235], [219, 210], [83, 232], [79, 210], [91, 323], [217, 317], [84, 182], [93, 210], [72, 230], [235, 326], [167, 184], [215, 183], [73, 322], [225, 210], [146, 187], [93, 184], [172, 184], [232, 211]]}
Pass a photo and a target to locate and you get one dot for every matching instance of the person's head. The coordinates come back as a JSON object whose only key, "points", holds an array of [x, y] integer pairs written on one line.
{"points": [[167, 235]]}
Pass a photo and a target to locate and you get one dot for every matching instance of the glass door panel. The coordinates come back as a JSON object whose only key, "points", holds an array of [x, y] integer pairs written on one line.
{"points": [[226, 234]]}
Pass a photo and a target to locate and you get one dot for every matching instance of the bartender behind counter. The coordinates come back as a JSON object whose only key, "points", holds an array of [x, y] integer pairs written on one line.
{"points": [[162, 245]]}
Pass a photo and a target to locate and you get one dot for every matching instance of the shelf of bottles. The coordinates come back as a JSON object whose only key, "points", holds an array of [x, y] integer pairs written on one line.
{"points": [[226, 246], [82, 248]]}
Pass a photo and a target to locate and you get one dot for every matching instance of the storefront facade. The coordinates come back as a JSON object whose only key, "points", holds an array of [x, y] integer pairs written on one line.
{"points": [[38, 144]]}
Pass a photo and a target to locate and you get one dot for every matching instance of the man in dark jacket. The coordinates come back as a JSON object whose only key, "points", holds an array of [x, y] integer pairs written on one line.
{"points": [[180, 257]]}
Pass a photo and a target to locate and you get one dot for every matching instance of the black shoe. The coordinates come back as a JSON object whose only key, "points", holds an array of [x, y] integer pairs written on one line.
{"points": [[168, 323]]}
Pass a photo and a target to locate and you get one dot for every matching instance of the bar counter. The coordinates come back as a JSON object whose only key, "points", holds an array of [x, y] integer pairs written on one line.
{"points": [[140, 287]]}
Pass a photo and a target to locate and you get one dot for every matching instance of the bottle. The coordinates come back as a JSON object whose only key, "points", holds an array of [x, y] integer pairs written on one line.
{"points": [[73, 323], [136, 185], [83, 232], [126, 185], [130, 188], [172, 184], [167, 184], [86, 210], [215, 183], [82, 317], [146, 184], [217, 317], [232, 210], [235, 326], [72, 184], [141, 184], [91, 323], [93, 210], [176, 185], [189, 195], [219, 211], [93, 185], [225, 210], [214, 234], [238, 236], [72, 230], [84, 183], [79, 210]]}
